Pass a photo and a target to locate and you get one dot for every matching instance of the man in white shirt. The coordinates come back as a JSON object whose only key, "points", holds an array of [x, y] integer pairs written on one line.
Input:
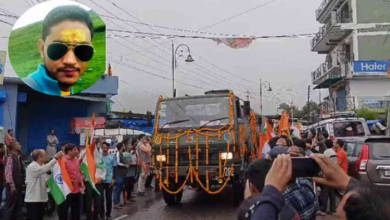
{"points": [[36, 188], [328, 193]]}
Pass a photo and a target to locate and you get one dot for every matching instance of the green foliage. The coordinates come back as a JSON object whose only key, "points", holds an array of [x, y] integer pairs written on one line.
{"points": [[367, 114], [24, 54], [307, 110]]}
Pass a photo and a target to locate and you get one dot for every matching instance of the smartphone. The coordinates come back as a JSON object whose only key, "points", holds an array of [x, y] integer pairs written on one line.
{"points": [[304, 167]]}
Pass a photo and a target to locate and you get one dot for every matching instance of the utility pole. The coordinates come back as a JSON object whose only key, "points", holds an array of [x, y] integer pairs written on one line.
{"points": [[308, 101], [247, 95], [261, 99], [388, 117], [173, 70]]}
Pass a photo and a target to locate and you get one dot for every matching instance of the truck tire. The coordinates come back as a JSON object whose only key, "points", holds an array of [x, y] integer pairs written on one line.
{"points": [[172, 199], [238, 192]]}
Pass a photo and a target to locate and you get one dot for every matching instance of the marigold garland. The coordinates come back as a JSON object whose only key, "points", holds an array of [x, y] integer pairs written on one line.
{"points": [[204, 132]]}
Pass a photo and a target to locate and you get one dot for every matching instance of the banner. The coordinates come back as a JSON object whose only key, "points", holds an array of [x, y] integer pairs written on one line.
{"points": [[235, 43], [3, 57]]}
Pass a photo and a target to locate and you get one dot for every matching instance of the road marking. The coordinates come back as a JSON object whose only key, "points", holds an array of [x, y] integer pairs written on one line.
{"points": [[121, 217]]}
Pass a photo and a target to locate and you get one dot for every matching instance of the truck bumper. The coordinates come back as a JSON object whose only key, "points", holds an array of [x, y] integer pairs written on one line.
{"points": [[183, 170]]}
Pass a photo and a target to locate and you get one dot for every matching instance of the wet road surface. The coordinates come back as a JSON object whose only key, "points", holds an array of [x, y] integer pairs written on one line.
{"points": [[195, 205]]}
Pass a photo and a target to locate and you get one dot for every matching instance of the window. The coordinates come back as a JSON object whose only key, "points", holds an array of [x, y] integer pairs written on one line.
{"points": [[350, 147], [380, 150], [348, 129]]}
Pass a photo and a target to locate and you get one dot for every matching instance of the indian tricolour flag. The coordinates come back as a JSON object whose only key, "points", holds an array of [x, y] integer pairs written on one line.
{"points": [[88, 166], [297, 131], [265, 136], [59, 182]]}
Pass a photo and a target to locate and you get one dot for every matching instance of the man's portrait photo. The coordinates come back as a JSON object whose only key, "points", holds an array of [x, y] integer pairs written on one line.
{"points": [[69, 52]]}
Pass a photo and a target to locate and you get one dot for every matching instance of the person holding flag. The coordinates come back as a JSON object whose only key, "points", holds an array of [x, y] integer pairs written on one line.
{"points": [[36, 189], [93, 191], [66, 184]]}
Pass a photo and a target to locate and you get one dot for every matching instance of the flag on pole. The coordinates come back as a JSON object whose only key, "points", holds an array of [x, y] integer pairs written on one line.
{"points": [[88, 165], [297, 131], [265, 136], [59, 182], [284, 128]]}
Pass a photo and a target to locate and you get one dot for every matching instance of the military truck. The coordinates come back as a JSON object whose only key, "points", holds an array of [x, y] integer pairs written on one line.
{"points": [[204, 142]]}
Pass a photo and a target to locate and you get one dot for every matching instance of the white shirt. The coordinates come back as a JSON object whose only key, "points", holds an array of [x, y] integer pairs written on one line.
{"points": [[331, 154], [36, 188]]}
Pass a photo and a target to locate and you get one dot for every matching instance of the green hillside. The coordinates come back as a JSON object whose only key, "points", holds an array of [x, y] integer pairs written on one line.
{"points": [[24, 54]]}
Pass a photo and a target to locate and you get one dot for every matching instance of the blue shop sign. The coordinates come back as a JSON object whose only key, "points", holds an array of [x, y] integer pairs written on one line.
{"points": [[380, 68]]}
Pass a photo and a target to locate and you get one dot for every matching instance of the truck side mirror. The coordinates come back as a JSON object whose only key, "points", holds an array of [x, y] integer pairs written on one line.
{"points": [[247, 108]]}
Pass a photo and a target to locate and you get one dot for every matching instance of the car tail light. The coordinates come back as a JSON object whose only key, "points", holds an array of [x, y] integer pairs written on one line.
{"points": [[332, 138], [363, 161]]}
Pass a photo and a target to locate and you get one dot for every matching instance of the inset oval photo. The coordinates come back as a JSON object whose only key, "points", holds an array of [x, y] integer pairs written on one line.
{"points": [[59, 47]]}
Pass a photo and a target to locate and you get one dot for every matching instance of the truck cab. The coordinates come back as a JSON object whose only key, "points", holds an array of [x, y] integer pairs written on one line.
{"points": [[203, 141]]}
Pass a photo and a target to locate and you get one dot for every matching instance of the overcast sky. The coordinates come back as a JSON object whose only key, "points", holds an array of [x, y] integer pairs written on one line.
{"points": [[39, 12], [285, 63]]}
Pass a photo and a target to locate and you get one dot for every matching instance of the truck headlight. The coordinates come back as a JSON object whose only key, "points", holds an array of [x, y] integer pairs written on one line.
{"points": [[226, 156], [161, 158]]}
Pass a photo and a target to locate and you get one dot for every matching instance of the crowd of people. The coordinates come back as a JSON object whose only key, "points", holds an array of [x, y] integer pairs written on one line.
{"points": [[272, 192], [120, 176]]}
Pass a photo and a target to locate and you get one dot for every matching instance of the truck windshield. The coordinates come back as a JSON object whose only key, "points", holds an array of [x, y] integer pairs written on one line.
{"points": [[348, 129], [197, 112]]}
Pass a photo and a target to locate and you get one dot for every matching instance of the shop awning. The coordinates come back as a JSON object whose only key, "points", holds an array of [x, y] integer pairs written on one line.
{"points": [[327, 83], [89, 98]]}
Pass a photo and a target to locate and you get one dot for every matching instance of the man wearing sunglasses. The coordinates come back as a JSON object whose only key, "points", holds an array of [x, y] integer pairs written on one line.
{"points": [[65, 48]]}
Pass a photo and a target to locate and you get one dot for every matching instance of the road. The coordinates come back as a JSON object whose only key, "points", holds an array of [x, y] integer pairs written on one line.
{"points": [[195, 205]]}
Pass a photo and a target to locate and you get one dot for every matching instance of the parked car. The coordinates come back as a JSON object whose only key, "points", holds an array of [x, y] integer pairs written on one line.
{"points": [[369, 159]]}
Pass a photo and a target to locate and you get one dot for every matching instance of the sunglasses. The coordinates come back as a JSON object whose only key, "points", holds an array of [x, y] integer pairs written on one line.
{"points": [[83, 52]]}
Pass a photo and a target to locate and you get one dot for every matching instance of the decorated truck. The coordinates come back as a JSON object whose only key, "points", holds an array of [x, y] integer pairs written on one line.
{"points": [[204, 142]]}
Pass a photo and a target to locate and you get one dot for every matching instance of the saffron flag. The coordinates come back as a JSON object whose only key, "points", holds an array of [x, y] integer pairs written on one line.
{"points": [[59, 182], [284, 128]]}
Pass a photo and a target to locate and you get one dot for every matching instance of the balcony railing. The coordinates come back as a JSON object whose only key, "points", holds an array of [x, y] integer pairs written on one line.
{"points": [[322, 7], [321, 70], [336, 19]]}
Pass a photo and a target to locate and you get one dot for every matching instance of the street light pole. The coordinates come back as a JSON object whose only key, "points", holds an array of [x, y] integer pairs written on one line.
{"points": [[173, 70], [174, 63], [261, 99], [261, 94]]}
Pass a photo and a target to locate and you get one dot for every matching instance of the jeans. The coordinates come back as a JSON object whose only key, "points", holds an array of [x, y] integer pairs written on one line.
{"points": [[13, 204], [118, 189], [72, 201], [93, 197], [35, 210], [107, 190], [129, 187]]}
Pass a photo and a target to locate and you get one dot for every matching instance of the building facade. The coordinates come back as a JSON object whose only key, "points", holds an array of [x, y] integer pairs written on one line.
{"points": [[32, 114], [355, 38]]}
